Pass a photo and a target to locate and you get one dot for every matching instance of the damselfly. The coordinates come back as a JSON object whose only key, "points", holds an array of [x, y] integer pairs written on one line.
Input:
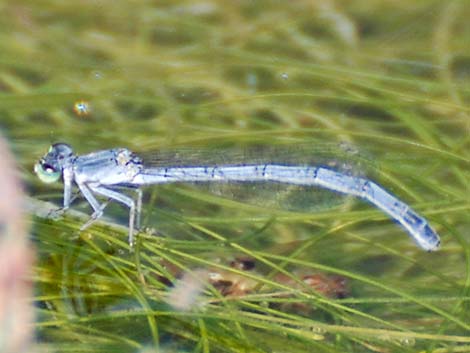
{"points": [[106, 172]]}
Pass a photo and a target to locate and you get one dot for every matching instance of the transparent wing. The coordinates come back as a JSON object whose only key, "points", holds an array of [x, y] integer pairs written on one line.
{"points": [[340, 157]]}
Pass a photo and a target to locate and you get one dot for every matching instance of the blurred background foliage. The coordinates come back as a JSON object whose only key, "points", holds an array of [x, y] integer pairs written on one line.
{"points": [[387, 79]]}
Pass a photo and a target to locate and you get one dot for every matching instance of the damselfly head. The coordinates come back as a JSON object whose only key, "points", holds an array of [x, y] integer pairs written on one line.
{"points": [[49, 168]]}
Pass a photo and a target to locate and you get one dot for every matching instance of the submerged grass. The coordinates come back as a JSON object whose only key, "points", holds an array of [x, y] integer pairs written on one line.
{"points": [[388, 80]]}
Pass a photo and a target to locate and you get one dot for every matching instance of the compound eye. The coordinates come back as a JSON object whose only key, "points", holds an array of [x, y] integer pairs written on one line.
{"points": [[46, 172], [60, 150]]}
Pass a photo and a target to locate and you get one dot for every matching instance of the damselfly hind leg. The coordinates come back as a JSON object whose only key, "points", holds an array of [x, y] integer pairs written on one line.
{"points": [[138, 208], [124, 199]]}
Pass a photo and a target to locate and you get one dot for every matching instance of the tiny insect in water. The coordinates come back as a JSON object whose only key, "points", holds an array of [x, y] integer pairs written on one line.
{"points": [[82, 108]]}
